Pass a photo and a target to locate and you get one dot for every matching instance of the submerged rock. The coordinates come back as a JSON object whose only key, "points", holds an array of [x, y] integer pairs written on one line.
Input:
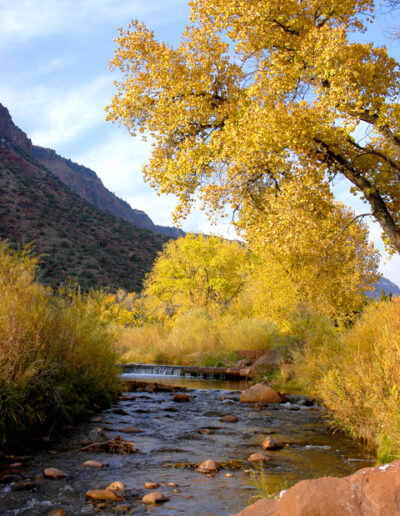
{"points": [[180, 397], [151, 485], [103, 494], [154, 498], [270, 443], [54, 473], [93, 464], [229, 418], [208, 466], [258, 457]]}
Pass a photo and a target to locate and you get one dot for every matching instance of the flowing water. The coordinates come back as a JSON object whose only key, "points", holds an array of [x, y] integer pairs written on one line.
{"points": [[170, 446]]}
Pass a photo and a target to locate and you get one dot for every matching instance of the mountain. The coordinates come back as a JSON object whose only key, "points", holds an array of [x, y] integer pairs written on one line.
{"points": [[387, 286], [73, 237], [87, 184]]}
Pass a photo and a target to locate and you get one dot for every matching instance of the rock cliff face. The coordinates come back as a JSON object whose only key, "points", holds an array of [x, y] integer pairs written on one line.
{"points": [[9, 132], [88, 185], [73, 238]]}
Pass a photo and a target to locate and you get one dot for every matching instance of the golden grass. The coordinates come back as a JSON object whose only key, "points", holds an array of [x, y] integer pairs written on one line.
{"points": [[197, 338], [56, 355]]}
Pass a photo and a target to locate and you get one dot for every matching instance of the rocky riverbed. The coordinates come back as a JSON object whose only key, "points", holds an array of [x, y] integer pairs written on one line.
{"points": [[171, 433]]}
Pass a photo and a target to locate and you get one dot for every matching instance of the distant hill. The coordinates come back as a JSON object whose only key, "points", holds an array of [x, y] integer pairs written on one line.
{"points": [[74, 237], [387, 286], [88, 185]]}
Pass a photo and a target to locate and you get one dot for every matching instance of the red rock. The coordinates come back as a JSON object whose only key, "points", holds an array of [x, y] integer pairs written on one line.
{"points": [[264, 507], [206, 431], [179, 397], [171, 484], [54, 473], [270, 443], [261, 393], [58, 512], [368, 492], [230, 418], [154, 498]]}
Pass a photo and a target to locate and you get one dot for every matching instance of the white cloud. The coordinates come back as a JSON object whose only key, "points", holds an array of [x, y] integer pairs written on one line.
{"points": [[59, 115]]}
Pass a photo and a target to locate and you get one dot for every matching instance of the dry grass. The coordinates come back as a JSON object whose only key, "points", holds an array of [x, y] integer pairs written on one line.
{"points": [[197, 338], [56, 355]]}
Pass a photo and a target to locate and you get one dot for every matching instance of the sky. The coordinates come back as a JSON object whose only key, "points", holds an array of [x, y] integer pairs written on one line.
{"points": [[55, 81]]}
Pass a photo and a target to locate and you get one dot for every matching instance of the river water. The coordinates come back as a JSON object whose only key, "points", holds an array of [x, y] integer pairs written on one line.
{"points": [[170, 446]]}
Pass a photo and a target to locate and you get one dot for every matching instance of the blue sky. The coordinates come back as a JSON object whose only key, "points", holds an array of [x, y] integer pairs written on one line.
{"points": [[55, 81]]}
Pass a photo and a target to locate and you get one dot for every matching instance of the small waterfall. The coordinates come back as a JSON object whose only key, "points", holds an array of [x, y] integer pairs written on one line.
{"points": [[220, 373]]}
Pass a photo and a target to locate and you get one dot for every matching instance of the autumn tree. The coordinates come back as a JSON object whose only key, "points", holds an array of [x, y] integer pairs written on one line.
{"points": [[326, 264], [195, 271], [259, 92]]}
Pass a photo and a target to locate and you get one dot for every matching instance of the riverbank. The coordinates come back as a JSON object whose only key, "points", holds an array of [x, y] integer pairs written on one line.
{"points": [[56, 354]]}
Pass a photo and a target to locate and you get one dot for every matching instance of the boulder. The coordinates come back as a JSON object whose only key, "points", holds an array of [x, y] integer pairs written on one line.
{"points": [[117, 487], [154, 498], [261, 393], [368, 492], [269, 360]]}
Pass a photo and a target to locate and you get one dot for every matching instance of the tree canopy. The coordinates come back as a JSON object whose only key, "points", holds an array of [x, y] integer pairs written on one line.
{"points": [[195, 271], [258, 93]]}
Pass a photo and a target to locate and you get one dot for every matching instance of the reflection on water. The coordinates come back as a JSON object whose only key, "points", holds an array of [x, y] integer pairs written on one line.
{"points": [[170, 440], [190, 383]]}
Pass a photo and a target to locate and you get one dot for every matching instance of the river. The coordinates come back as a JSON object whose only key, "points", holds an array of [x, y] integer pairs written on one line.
{"points": [[170, 446]]}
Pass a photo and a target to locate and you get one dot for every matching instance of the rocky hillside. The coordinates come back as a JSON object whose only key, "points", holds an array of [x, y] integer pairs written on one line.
{"points": [[387, 286], [74, 238], [88, 185]]}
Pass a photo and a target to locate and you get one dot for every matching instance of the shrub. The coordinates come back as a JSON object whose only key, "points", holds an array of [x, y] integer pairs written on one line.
{"points": [[56, 355]]}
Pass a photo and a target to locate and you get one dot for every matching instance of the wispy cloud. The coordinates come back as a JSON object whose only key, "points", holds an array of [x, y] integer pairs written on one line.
{"points": [[23, 20]]}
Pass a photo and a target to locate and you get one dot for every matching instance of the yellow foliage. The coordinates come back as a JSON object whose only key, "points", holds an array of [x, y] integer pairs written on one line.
{"points": [[195, 271], [258, 92]]}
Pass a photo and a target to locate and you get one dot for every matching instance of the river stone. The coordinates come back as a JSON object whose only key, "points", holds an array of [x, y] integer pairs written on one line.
{"points": [[171, 484], [261, 393], [131, 429], [58, 512], [206, 431], [179, 397], [103, 494], [23, 485], [270, 443], [229, 418], [208, 466], [93, 464], [117, 487], [258, 457], [54, 473], [154, 498], [8, 478], [151, 485]]}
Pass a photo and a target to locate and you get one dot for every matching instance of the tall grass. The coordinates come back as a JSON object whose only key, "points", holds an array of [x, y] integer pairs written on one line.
{"points": [[356, 373], [56, 355], [198, 338]]}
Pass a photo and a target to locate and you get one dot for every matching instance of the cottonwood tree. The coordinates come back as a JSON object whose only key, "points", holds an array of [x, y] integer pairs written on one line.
{"points": [[258, 92], [195, 272], [325, 264]]}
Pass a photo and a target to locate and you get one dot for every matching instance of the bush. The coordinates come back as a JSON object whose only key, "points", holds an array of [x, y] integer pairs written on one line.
{"points": [[56, 355]]}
